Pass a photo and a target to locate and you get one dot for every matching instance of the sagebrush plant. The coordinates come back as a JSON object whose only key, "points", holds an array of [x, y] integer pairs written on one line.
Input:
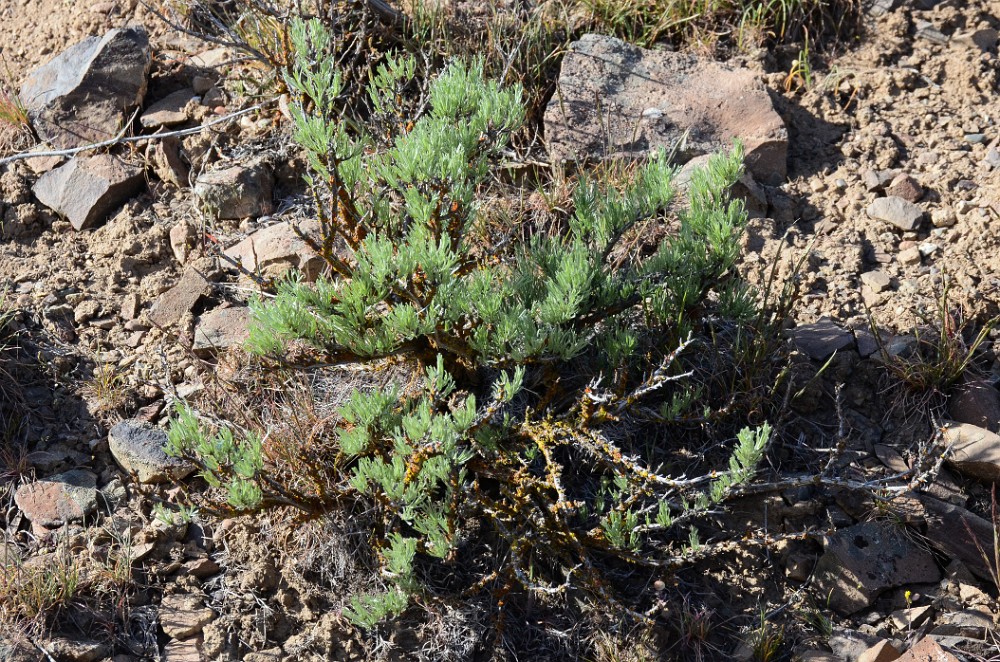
{"points": [[547, 372]]}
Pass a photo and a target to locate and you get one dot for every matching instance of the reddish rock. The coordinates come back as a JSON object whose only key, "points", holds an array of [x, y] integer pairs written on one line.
{"points": [[927, 650], [905, 187], [62, 498], [614, 99], [880, 652], [82, 95], [86, 189]]}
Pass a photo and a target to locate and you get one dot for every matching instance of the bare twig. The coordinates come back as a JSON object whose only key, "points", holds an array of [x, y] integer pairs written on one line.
{"points": [[123, 140]]}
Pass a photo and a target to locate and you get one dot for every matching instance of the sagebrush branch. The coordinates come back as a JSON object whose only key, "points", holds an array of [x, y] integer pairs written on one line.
{"points": [[123, 140]]}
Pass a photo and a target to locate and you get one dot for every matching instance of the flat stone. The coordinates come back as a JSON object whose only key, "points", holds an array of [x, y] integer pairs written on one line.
{"points": [[237, 191], [883, 651], [276, 249], [87, 188], [617, 100], [975, 451], [82, 95], [77, 650], [183, 615], [189, 650], [927, 650], [180, 299], [977, 402], [821, 339], [168, 111], [877, 281], [221, 329], [270, 655], [899, 212], [862, 561], [963, 623], [138, 447], [848, 644], [58, 499], [910, 256], [905, 620]]}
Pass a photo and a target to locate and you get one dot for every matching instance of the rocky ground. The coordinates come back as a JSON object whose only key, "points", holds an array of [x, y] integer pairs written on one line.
{"points": [[875, 183]]}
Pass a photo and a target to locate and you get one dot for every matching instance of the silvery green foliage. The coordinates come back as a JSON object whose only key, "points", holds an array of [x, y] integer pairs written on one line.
{"points": [[406, 277]]}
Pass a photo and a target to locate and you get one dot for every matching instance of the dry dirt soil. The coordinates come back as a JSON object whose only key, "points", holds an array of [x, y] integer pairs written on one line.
{"points": [[913, 106]]}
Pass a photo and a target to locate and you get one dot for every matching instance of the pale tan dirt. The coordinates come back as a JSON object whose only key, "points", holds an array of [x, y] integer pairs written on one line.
{"points": [[894, 102]]}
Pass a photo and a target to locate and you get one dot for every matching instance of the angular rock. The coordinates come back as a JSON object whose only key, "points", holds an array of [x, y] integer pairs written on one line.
{"points": [[221, 329], [877, 281], [183, 237], [83, 94], [170, 167], [927, 650], [180, 299], [821, 339], [862, 561], [77, 650], [899, 212], [848, 644], [964, 623], [139, 449], [183, 615], [617, 100], [883, 651], [975, 451], [906, 620], [87, 188], [271, 252], [53, 501], [237, 192], [948, 530], [168, 111], [189, 650], [977, 402], [905, 187]]}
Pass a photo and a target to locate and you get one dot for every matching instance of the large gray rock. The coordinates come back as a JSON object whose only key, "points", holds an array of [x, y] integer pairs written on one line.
{"points": [[899, 212], [866, 559], [87, 188], [614, 99], [83, 94], [237, 191], [53, 501], [140, 449], [821, 339], [271, 252]]}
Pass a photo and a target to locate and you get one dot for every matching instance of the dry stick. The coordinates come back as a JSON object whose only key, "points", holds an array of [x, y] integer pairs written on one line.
{"points": [[122, 140]]}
